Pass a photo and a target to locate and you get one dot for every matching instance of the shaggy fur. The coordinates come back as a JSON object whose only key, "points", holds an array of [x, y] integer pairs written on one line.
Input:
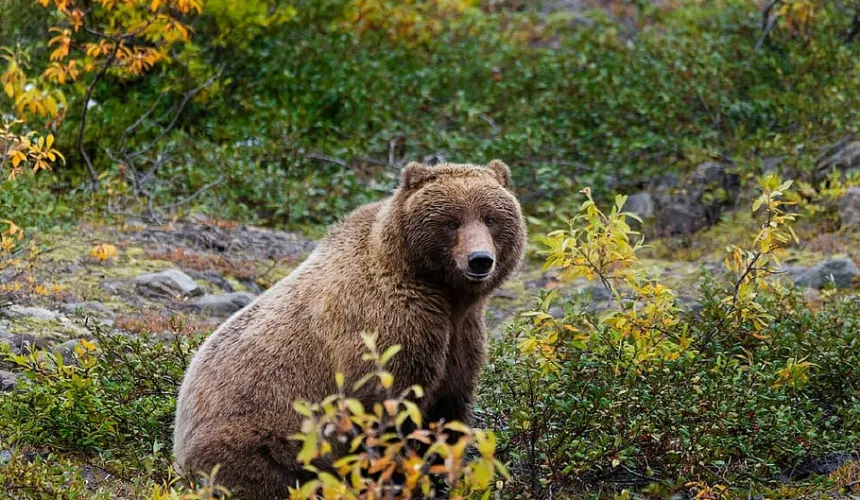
{"points": [[399, 267]]}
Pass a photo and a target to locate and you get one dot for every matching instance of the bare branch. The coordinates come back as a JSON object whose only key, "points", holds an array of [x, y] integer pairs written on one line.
{"points": [[94, 178], [768, 22], [490, 122], [193, 196], [185, 99], [139, 121], [327, 159], [855, 26]]}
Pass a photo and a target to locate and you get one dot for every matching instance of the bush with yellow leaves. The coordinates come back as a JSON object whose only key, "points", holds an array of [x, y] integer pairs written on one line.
{"points": [[654, 393], [389, 453]]}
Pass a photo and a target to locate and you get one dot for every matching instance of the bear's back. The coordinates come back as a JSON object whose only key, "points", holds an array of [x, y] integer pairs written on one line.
{"points": [[289, 334]]}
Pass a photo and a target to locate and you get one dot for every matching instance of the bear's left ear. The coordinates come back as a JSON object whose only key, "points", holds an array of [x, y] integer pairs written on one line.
{"points": [[414, 174], [501, 172]]}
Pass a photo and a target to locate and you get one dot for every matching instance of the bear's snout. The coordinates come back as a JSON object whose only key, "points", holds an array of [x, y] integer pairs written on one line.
{"points": [[480, 264], [475, 252]]}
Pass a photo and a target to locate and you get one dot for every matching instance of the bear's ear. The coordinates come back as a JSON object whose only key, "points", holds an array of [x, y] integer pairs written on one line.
{"points": [[414, 174], [501, 172]]}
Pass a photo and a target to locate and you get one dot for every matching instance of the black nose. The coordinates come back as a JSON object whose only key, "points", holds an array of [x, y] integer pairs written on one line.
{"points": [[480, 262]]}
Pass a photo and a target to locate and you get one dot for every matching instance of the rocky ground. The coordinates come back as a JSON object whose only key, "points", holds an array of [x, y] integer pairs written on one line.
{"points": [[189, 276]]}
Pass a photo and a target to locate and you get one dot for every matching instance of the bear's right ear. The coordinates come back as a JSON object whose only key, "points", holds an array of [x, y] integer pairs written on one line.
{"points": [[501, 171], [414, 174]]}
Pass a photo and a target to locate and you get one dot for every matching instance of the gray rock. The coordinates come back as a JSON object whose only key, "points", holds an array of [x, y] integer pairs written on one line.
{"points": [[641, 205], [172, 283], [91, 308], [547, 280], [794, 273], [844, 156], [226, 303], [680, 219], [7, 382], [771, 163], [251, 285], [849, 209], [18, 312], [23, 343], [687, 205], [598, 293], [5, 457], [67, 351], [213, 278], [709, 172], [824, 465], [841, 272]]}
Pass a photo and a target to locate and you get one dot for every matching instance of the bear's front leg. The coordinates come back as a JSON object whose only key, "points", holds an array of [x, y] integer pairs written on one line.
{"points": [[463, 365]]}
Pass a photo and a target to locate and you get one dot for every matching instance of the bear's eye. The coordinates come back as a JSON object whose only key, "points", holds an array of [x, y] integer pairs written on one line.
{"points": [[452, 224], [489, 222]]}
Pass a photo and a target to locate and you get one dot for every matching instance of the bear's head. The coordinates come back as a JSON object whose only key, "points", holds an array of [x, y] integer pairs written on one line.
{"points": [[461, 225]]}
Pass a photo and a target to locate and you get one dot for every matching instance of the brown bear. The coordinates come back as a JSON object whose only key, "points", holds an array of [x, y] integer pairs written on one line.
{"points": [[417, 268]]}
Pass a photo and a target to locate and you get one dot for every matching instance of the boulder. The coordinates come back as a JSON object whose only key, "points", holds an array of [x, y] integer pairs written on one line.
{"points": [[684, 206], [849, 209], [91, 308], [640, 205], [226, 303], [770, 164], [841, 272], [213, 277], [597, 293], [7, 383], [171, 283], [23, 343], [67, 351], [37, 313], [823, 465], [844, 156]]}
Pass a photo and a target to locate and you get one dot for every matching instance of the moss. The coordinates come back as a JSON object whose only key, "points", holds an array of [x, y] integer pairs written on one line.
{"points": [[44, 328]]}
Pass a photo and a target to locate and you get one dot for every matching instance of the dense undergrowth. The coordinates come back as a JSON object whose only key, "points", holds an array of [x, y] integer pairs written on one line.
{"points": [[311, 114]]}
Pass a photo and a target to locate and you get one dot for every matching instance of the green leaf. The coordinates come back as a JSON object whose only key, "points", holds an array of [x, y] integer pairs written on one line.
{"points": [[303, 409], [620, 200], [391, 351], [363, 380]]}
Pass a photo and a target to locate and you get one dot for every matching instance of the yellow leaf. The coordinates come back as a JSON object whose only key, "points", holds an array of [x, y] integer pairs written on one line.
{"points": [[103, 252], [386, 379]]}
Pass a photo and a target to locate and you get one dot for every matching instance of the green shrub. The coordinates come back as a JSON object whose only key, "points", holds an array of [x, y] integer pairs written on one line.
{"points": [[312, 116], [650, 395], [113, 401]]}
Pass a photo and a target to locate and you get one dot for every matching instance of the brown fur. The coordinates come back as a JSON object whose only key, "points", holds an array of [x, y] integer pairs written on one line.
{"points": [[395, 267]]}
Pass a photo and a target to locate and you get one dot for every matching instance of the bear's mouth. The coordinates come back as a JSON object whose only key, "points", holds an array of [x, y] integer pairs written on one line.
{"points": [[478, 276]]}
